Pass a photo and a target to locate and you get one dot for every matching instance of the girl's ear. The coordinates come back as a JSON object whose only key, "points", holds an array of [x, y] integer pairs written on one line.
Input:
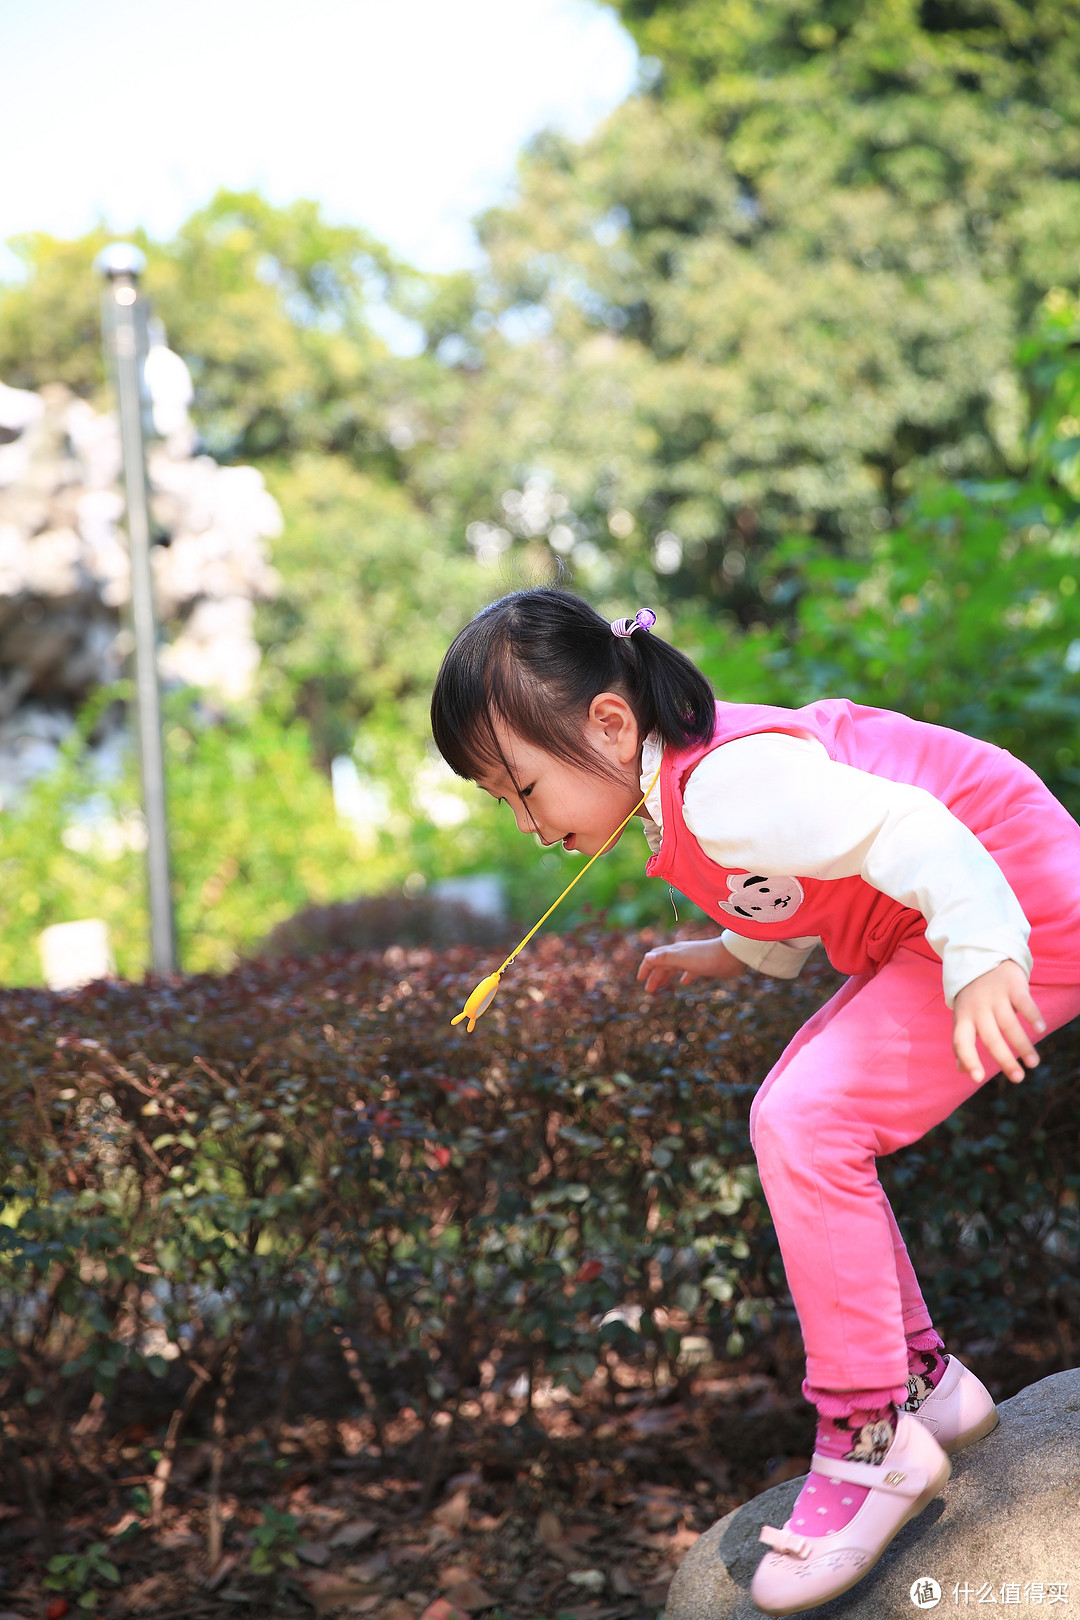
{"points": [[613, 729]]}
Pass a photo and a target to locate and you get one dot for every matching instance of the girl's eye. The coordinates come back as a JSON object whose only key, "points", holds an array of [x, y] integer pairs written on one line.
{"points": [[526, 791]]}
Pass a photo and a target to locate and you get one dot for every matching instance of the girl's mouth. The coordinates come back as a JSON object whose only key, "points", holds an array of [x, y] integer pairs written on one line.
{"points": [[568, 841]]}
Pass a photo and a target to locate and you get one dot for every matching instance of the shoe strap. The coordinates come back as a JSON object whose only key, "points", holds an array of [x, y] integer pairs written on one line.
{"points": [[786, 1541], [907, 1481]]}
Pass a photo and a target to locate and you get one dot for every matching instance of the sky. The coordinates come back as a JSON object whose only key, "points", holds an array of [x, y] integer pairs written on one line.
{"points": [[403, 116]]}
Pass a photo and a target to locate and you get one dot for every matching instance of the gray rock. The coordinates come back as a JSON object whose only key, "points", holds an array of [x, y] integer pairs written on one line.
{"points": [[1009, 1515]]}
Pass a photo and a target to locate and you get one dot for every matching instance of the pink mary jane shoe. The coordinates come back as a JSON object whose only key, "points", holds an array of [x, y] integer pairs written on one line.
{"points": [[960, 1410], [801, 1572]]}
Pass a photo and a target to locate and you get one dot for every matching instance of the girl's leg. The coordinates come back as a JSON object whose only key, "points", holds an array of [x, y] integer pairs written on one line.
{"points": [[916, 1317], [871, 1072], [912, 1305]]}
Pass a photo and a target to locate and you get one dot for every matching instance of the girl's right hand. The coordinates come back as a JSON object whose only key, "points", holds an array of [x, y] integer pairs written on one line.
{"points": [[692, 958]]}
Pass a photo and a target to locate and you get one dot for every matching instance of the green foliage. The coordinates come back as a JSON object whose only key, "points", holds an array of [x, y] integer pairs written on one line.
{"points": [[968, 614], [749, 355], [275, 1543], [72, 1574], [781, 291], [371, 596], [269, 306], [50, 320], [253, 830]]}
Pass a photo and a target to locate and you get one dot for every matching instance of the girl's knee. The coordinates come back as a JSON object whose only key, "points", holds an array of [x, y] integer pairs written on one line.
{"points": [[779, 1126]]}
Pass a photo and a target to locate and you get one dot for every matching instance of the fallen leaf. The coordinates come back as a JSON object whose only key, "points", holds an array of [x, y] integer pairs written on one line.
{"points": [[452, 1513], [396, 1610], [548, 1528], [623, 1581], [365, 1605], [369, 1569], [488, 1521], [454, 1574], [470, 1596], [441, 1610], [576, 1534], [354, 1533], [313, 1552], [170, 1540], [328, 1591], [410, 1552]]}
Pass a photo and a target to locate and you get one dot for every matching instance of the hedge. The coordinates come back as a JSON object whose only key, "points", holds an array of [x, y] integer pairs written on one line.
{"points": [[306, 1153]]}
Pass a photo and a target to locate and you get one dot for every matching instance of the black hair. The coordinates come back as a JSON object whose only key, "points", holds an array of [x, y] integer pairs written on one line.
{"points": [[536, 659]]}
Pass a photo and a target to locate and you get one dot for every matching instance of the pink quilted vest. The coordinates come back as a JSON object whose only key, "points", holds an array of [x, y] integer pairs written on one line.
{"points": [[1031, 836]]}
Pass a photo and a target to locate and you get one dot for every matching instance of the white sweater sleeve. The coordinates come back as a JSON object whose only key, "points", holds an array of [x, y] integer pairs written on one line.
{"points": [[777, 804], [779, 958]]}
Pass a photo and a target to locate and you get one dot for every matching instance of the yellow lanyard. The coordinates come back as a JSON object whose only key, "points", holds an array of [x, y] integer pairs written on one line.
{"points": [[482, 997]]}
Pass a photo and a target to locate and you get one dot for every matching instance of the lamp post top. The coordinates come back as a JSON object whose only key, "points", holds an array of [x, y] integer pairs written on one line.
{"points": [[120, 259]]}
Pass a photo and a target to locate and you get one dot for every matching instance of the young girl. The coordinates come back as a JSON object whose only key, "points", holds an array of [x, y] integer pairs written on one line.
{"points": [[937, 871]]}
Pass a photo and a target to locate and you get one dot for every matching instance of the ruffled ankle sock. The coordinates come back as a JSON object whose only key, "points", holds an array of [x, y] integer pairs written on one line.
{"points": [[926, 1361], [826, 1505]]}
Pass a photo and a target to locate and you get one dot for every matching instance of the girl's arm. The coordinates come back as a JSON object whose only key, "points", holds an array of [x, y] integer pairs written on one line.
{"points": [[777, 804], [693, 959]]}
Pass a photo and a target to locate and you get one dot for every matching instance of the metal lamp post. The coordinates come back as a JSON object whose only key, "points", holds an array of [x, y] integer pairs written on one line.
{"points": [[123, 321]]}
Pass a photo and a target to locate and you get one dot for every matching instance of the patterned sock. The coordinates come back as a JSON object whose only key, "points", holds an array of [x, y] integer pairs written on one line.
{"points": [[927, 1361], [825, 1505]]}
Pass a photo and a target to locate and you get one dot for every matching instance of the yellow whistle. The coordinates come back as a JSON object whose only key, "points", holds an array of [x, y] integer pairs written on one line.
{"points": [[480, 1000], [484, 994]]}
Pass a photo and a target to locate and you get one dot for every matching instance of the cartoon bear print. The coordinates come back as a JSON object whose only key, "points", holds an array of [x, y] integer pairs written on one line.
{"points": [[762, 899]]}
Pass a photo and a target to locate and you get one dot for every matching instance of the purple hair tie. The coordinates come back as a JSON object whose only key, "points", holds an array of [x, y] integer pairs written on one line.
{"points": [[643, 619]]}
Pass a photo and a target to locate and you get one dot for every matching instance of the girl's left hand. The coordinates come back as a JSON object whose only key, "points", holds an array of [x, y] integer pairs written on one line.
{"points": [[986, 1010]]}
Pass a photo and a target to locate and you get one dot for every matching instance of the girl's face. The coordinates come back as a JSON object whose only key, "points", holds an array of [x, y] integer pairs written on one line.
{"points": [[563, 803]]}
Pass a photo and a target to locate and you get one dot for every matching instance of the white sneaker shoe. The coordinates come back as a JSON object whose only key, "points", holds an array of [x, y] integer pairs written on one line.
{"points": [[959, 1411]]}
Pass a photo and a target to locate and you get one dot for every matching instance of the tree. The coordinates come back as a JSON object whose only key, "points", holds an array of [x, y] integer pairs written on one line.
{"points": [[968, 614], [371, 595], [774, 293]]}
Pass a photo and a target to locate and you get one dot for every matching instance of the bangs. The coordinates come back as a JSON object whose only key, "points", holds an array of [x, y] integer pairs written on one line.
{"points": [[481, 683]]}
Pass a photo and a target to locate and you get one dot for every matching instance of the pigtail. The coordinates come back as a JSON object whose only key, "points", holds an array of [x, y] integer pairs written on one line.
{"points": [[669, 694]]}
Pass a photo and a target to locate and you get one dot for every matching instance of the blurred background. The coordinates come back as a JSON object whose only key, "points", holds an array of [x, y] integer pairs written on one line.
{"points": [[765, 318]]}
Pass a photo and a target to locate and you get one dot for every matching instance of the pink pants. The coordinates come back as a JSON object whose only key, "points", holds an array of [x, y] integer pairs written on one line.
{"points": [[870, 1072]]}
